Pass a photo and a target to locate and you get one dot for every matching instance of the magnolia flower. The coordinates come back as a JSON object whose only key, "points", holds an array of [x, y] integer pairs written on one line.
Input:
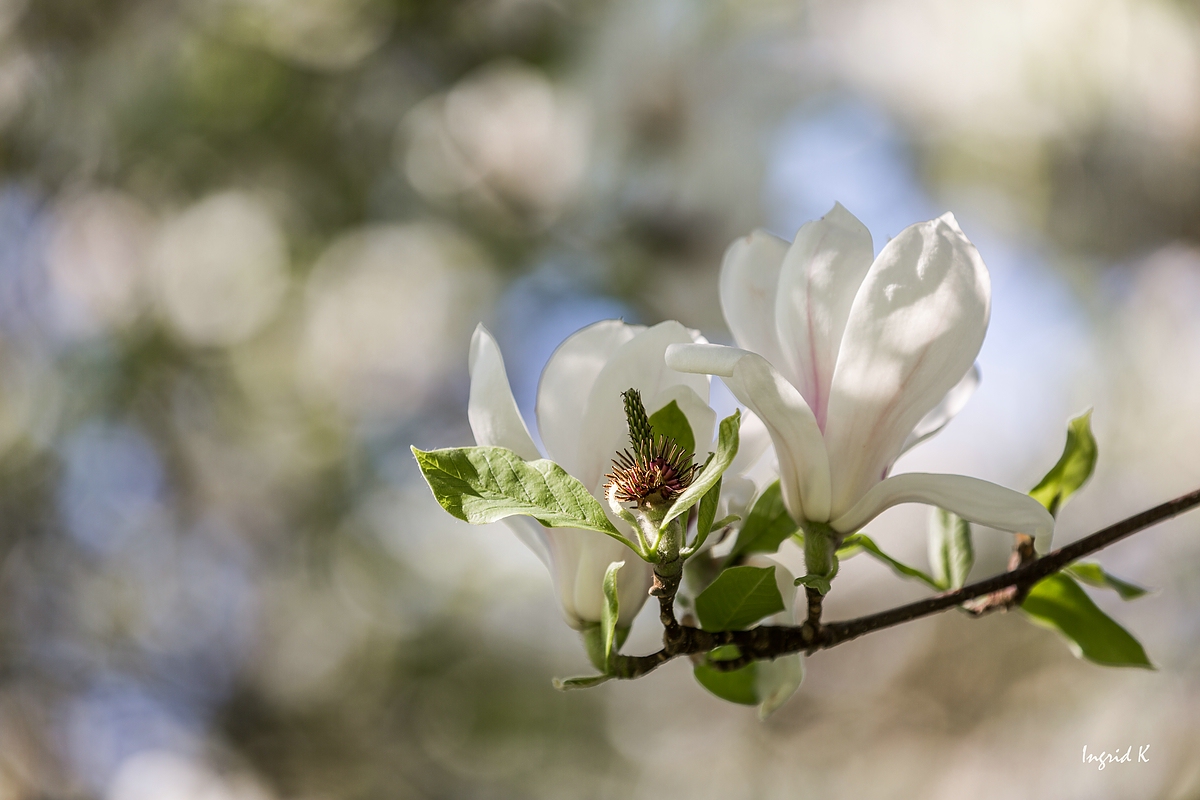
{"points": [[581, 419], [848, 359]]}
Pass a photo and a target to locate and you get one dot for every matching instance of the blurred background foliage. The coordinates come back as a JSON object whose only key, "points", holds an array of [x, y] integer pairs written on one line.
{"points": [[242, 247]]}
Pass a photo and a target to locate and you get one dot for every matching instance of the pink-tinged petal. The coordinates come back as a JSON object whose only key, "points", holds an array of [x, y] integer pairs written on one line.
{"points": [[749, 281], [580, 559], [637, 364], [566, 382], [914, 330], [820, 277], [803, 464], [954, 401], [974, 500], [491, 409]]}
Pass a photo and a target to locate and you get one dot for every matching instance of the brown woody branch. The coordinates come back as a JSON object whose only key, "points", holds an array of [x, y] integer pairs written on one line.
{"points": [[772, 641]]}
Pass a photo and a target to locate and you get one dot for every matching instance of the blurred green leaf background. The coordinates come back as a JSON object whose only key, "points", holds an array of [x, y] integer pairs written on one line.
{"points": [[243, 244]]}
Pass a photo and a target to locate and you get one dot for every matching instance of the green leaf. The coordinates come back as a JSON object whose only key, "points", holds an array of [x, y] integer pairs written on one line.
{"points": [[736, 686], [767, 684], [582, 682], [861, 540], [1094, 575], [951, 552], [1059, 603], [610, 613], [486, 484], [766, 527], [1073, 469], [739, 597], [671, 421], [727, 446]]}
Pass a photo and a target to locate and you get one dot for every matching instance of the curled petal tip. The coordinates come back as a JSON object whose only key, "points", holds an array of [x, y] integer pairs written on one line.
{"points": [[703, 359]]}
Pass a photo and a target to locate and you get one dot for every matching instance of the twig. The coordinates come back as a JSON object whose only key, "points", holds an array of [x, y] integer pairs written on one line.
{"points": [[772, 641]]}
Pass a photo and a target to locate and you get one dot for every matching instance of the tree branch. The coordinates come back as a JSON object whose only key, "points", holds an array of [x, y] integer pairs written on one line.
{"points": [[772, 641]]}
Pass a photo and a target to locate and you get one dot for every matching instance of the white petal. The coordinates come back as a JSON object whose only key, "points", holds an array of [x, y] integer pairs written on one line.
{"points": [[749, 282], [803, 464], [580, 559], [972, 499], [736, 495], [777, 681], [637, 364], [954, 401], [914, 330], [820, 277], [566, 382], [491, 409], [535, 537]]}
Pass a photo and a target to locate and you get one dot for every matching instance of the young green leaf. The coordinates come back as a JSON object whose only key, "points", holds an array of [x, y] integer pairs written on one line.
{"points": [[1073, 469], [610, 613], [739, 597], [951, 552], [1095, 575], [583, 682], [486, 484], [672, 422], [737, 686], [861, 540], [728, 519], [766, 527], [1059, 603], [705, 515], [727, 446]]}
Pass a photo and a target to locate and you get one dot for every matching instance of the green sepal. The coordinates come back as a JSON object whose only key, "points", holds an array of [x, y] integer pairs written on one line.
{"points": [[485, 484], [1059, 603], [593, 642], [1073, 469], [1095, 575], [727, 447], [706, 514], [739, 597], [766, 527]]}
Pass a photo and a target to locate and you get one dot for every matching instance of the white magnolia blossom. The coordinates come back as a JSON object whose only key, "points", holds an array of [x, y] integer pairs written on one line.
{"points": [[849, 360], [581, 418]]}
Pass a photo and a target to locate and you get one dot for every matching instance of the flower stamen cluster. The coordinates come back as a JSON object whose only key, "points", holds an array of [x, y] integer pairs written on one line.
{"points": [[657, 470]]}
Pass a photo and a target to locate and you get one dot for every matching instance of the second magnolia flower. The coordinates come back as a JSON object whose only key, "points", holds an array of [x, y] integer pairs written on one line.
{"points": [[848, 358]]}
